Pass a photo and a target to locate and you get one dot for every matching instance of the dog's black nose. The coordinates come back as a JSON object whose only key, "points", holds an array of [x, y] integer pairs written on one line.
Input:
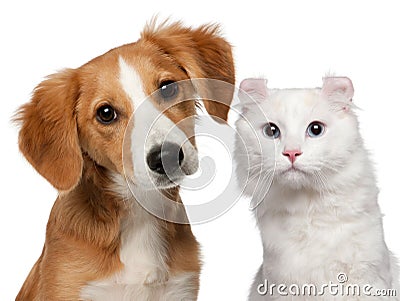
{"points": [[165, 159]]}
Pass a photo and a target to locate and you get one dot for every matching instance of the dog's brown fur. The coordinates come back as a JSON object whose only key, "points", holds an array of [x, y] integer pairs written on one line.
{"points": [[62, 139]]}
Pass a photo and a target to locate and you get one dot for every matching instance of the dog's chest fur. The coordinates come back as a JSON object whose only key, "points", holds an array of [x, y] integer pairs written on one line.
{"points": [[145, 275]]}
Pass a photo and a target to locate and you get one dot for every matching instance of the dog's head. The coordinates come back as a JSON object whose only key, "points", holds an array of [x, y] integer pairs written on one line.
{"points": [[130, 110]]}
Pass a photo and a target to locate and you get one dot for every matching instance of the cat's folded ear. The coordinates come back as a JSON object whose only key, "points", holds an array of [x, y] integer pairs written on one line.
{"points": [[253, 90], [338, 87]]}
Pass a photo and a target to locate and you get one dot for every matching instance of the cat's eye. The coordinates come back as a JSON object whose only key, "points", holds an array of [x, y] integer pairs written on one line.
{"points": [[106, 114], [315, 129], [271, 130], [168, 89]]}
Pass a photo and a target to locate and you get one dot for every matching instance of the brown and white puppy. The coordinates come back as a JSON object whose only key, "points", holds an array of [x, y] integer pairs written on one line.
{"points": [[100, 243]]}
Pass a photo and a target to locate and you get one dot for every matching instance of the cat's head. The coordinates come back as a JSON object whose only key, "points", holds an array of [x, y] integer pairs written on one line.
{"points": [[302, 138]]}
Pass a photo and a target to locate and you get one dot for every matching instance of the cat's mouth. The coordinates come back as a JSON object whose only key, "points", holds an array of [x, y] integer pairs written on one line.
{"points": [[293, 176], [293, 169]]}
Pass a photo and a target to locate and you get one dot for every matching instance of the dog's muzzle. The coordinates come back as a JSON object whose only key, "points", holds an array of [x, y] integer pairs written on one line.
{"points": [[165, 159]]}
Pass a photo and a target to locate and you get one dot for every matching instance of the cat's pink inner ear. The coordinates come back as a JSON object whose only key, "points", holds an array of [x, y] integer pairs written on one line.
{"points": [[255, 87], [336, 86]]}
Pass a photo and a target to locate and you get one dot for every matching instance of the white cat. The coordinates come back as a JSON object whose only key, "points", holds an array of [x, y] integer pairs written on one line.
{"points": [[320, 222]]}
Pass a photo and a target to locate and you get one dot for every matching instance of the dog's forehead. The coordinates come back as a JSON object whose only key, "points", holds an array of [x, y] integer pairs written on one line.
{"points": [[131, 82], [123, 80], [127, 76]]}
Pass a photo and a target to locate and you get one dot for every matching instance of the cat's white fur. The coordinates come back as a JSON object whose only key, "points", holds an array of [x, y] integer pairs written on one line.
{"points": [[323, 218]]}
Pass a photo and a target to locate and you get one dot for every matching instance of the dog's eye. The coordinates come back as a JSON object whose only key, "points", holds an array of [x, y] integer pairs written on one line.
{"points": [[106, 114], [168, 89]]}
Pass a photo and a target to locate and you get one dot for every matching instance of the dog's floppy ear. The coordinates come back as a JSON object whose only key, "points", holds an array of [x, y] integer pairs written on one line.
{"points": [[48, 137], [202, 53]]}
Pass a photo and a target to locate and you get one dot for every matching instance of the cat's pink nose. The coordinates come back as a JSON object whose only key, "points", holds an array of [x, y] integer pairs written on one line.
{"points": [[292, 154]]}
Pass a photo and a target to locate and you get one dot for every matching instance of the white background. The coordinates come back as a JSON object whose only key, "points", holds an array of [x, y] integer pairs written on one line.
{"points": [[292, 43]]}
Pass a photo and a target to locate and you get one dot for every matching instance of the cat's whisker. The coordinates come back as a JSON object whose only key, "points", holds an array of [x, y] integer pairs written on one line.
{"points": [[323, 181], [248, 155], [317, 178], [260, 174], [265, 182]]}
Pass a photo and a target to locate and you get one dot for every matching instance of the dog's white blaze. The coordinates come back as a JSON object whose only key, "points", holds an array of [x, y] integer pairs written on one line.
{"points": [[131, 82], [150, 128]]}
